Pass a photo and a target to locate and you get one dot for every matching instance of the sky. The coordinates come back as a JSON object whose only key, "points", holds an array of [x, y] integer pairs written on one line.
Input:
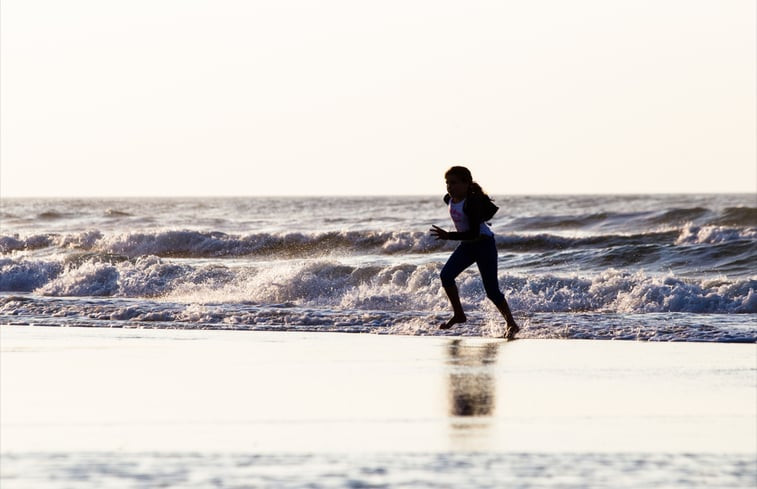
{"points": [[349, 97]]}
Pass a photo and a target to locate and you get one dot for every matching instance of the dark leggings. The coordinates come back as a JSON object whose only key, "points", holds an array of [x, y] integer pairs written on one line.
{"points": [[482, 252]]}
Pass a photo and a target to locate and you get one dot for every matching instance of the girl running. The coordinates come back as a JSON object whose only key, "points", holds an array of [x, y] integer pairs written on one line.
{"points": [[470, 208]]}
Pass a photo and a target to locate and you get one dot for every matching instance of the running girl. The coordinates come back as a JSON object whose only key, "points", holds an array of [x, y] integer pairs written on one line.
{"points": [[470, 208]]}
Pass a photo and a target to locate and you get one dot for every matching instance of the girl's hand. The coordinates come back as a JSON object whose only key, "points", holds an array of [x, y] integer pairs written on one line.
{"points": [[438, 232]]}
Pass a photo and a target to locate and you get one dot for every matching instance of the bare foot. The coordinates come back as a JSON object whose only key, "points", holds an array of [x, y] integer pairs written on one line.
{"points": [[453, 321], [511, 331]]}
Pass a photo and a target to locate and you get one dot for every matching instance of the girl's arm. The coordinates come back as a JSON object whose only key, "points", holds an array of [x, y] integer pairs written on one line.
{"points": [[472, 233]]}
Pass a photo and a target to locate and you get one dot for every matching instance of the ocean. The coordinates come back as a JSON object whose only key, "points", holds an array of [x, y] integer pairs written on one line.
{"points": [[638, 267]]}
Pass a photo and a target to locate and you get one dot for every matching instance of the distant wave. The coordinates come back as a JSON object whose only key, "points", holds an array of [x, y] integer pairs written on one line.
{"points": [[715, 235], [198, 244], [115, 213], [640, 220], [52, 215], [738, 216]]}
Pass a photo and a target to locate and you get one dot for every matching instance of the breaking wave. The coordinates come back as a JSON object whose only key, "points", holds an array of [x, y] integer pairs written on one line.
{"points": [[389, 287]]}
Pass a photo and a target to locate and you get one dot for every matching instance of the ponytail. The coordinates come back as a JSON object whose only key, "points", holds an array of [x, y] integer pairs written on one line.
{"points": [[475, 189]]}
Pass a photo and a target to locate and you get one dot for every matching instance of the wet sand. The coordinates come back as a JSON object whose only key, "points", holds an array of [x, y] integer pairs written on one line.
{"points": [[133, 390]]}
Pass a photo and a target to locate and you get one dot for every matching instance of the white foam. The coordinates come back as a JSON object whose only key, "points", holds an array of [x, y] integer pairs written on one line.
{"points": [[692, 234]]}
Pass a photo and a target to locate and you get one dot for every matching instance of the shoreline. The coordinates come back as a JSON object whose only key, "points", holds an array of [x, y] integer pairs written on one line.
{"points": [[134, 390]]}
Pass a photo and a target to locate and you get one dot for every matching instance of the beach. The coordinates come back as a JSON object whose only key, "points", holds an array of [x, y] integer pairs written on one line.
{"points": [[90, 397]]}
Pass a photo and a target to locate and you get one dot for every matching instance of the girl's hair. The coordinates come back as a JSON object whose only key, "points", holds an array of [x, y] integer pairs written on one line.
{"points": [[464, 174]]}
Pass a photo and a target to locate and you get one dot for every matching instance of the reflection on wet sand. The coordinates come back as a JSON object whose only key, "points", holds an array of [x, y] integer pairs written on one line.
{"points": [[471, 380]]}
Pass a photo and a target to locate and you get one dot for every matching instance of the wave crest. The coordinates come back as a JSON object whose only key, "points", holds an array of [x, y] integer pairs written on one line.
{"points": [[214, 244], [715, 235]]}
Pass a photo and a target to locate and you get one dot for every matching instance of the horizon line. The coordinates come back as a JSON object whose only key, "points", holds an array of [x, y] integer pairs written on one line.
{"points": [[371, 195]]}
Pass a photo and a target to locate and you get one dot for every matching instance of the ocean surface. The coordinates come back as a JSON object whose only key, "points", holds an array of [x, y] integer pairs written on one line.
{"points": [[643, 267]]}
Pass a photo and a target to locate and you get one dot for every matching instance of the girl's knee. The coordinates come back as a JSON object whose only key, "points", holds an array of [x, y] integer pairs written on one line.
{"points": [[497, 297], [448, 280]]}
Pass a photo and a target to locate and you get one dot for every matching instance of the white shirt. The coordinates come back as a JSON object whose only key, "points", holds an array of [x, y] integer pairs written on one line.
{"points": [[461, 220]]}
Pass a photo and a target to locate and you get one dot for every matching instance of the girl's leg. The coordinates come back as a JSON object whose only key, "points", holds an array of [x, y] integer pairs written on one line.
{"points": [[460, 259], [458, 315], [487, 266], [512, 326]]}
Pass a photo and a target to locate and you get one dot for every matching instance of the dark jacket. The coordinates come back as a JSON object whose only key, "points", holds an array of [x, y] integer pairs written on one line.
{"points": [[477, 208]]}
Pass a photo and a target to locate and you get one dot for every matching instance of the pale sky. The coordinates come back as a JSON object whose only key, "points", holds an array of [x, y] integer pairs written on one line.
{"points": [[306, 97]]}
